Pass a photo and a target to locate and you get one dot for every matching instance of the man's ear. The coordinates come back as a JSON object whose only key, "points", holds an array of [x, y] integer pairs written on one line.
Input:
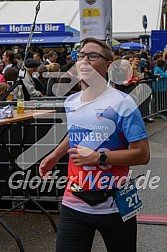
{"points": [[109, 63]]}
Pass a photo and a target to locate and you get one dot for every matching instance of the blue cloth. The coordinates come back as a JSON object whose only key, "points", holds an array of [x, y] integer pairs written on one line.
{"points": [[162, 82], [74, 55]]}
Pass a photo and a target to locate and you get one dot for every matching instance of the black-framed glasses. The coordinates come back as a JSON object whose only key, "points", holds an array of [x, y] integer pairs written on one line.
{"points": [[92, 56]]}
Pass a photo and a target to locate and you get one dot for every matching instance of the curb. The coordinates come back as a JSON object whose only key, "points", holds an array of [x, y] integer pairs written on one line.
{"points": [[155, 127]]}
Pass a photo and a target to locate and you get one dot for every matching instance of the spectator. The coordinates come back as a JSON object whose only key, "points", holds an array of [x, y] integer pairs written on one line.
{"points": [[9, 60], [156, 56], [75, 51], [1, 66], [11, 76], [51, 58], [45, 56], [119, 52], [136, 66], [18, 60], [159, 71], [72, 77], [145, 67], [3, 89], [53, 69], [31, 67], [36, 56], [61, 60], [42, 71]]}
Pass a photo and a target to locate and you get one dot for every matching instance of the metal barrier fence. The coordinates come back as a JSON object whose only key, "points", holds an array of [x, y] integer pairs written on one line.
{"points": [[11, 139], [16, 139], [157, 102]]}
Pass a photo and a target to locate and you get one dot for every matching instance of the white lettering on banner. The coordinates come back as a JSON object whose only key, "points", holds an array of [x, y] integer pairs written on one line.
{"points": [[88, 136], [50, 27], [24, 28], [19, 40]]}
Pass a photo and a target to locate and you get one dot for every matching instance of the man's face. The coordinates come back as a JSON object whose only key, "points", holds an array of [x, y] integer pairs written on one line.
{"points": [[53, 58], [136, 61], [5, 58], [36, 57], [86, 68]]}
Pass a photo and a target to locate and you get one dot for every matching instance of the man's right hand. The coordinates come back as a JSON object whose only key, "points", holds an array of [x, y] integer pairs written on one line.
{"points": [[47, 164]]}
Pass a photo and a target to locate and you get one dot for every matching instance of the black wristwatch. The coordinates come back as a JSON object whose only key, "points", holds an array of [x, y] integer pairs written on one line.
{"points": [[102, 158]]}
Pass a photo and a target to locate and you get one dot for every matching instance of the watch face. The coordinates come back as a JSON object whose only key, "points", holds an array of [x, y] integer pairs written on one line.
{"points": [[103, 157]]}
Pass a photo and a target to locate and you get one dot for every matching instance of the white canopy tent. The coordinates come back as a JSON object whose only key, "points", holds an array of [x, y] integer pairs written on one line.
{"points": [[23, 12], [127, 15]]}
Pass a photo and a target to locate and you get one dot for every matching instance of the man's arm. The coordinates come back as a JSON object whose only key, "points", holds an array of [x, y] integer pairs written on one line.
{"points": [[48, 163], [137, 154]]}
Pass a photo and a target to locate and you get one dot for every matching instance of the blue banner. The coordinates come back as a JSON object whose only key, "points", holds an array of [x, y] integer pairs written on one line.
{"points": [[26, 28]]}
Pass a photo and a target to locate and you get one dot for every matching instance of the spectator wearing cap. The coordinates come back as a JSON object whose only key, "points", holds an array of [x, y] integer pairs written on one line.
{"points": [[76, 50], [31, 67]]}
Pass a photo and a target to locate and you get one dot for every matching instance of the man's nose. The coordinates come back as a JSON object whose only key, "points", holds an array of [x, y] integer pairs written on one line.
{"points": [[86, 57]]}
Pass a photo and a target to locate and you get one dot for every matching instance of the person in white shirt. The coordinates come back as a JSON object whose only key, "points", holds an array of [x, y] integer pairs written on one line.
{"points": [[9, 60], [106, 135]]}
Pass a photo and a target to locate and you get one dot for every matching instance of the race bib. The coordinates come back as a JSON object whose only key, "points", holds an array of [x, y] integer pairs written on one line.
{"points": [[128, 201]]}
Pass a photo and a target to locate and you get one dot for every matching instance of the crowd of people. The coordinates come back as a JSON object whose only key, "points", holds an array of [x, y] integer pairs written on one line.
{"points": [[35, 83], [144, 67], [38, 84], [150, 70]]}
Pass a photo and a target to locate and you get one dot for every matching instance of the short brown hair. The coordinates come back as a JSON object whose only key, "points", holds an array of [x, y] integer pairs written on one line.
{"points": [[52, 53], [11, 74], [161, 62], [106, 49]]}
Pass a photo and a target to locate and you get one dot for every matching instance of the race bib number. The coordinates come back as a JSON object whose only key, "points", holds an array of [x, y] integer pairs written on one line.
{"points": [[128, 202]]}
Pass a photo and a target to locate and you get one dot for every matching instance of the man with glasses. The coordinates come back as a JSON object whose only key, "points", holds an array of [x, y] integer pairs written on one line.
{"points": [[106, 135], [93, 56]]}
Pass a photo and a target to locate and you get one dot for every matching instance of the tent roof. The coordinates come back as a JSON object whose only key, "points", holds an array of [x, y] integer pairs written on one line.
{"points": [[127, 17], [127, 14], [23, 12]]}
